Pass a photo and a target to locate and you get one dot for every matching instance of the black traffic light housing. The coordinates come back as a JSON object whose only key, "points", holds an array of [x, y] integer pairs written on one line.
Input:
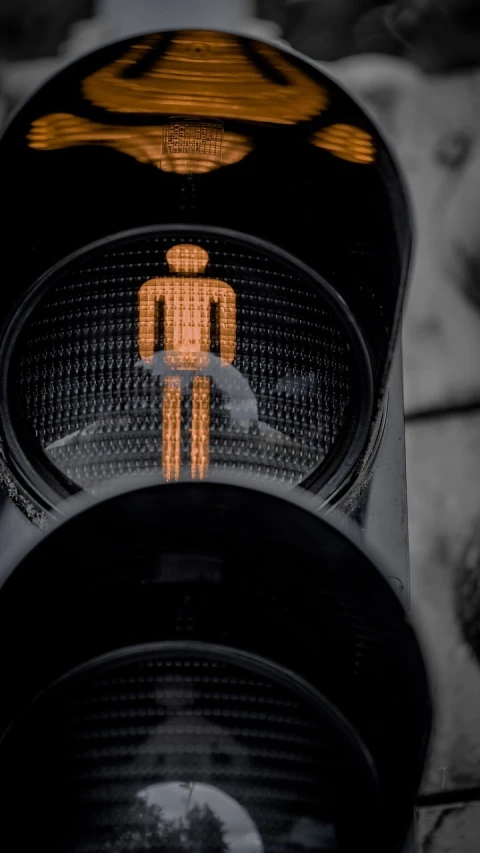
{"points": [[229, 143], [126, 170]]}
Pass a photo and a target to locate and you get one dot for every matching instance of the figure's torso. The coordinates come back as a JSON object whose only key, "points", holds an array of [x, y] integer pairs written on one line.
{"points": [[187, 319]]}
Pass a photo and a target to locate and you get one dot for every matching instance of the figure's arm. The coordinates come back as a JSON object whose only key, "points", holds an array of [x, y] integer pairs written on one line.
{"points": [[228, 322], [149, 295]]}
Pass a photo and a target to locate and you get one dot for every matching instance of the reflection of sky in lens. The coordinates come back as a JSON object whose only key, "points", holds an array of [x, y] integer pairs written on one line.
{"points": [[176, 798], [238, 400]]}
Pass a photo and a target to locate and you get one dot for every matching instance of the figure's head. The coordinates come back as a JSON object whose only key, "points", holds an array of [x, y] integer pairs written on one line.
{"points": [[187, 259]]}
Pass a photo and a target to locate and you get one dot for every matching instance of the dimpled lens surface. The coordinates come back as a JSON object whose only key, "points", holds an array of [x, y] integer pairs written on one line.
{"points": [[107, 390], [180, 755]]}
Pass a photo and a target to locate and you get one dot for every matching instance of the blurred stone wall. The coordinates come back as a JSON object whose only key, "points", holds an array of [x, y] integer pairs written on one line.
{"points": [[31, 29], [435, 34]]}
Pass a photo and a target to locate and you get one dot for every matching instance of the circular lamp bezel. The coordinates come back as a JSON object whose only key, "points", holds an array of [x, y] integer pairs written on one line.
{"points": [[43, 484]]}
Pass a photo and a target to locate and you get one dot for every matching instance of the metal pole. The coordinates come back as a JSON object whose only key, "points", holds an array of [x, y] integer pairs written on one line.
{"points": [[122, 18]]}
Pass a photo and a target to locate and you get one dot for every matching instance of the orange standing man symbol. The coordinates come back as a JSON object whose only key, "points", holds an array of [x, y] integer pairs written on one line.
{"points": [[187, 297]]}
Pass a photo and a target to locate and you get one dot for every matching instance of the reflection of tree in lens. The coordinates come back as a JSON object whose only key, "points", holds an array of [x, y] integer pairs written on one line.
{"points": [[205, 832], [199, 831], [184, 817], [146, 829]]}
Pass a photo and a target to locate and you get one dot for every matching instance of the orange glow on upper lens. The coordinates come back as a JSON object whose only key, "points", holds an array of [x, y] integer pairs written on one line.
{"points": [[186, 298], [207, 74], [205, 78], [347, 142], [198, 153]]}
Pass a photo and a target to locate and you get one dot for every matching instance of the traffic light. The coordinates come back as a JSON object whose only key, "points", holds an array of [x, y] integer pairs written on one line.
{"points": [[204, 261]]}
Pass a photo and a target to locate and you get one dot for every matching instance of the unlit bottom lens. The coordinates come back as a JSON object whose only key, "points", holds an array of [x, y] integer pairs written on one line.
{"points": [[190, 754]]}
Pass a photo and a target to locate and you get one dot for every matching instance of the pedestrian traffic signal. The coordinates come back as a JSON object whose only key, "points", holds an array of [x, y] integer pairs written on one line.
{"points": [[204, 272]]}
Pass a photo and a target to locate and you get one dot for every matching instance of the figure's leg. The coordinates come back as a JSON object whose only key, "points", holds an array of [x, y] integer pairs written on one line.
{"points": [[171, 427], [200, 443]]}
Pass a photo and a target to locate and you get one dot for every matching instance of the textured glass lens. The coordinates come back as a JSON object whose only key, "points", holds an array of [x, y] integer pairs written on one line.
{"points": [[181, 755], [182, 356]]}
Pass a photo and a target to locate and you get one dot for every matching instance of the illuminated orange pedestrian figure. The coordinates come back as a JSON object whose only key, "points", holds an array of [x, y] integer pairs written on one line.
{"points": [[186, 298]]}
